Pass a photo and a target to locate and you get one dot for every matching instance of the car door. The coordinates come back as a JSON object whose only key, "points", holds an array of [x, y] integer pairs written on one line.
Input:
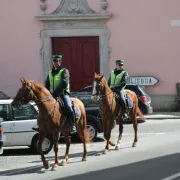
{"points": [[7, 123], [24, 119]]}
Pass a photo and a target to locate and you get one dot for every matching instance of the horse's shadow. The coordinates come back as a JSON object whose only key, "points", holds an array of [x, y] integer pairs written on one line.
{"points": [[39, 169], [27, 151]]}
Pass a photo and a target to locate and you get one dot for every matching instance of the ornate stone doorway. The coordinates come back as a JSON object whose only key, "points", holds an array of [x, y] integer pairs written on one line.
{"points": [[74, 18]]}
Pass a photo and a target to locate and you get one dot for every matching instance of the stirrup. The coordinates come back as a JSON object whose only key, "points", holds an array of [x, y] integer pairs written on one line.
{"points": [[73, 129]]}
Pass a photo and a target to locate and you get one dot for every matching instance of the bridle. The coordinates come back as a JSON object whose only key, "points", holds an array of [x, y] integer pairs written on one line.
{"points": [[38, 101], [33, 96], [101, 97], [97, 94]]}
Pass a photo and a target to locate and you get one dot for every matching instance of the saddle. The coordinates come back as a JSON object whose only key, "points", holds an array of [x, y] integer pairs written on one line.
{"points": [[129, 103], [63, 108]]}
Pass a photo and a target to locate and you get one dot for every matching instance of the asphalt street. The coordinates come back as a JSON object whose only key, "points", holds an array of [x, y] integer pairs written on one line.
{"points": [[156, 157]]}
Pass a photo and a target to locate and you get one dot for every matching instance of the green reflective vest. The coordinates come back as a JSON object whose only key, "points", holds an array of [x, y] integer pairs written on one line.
{"points": [[56, 80], [116, 79]]}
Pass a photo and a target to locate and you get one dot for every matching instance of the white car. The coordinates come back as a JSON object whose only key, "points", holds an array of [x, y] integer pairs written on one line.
{"points": [[17, 126]]}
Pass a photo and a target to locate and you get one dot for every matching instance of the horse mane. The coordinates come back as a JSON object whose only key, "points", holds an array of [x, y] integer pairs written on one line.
{"points": [[39, 86], [105, 82]]}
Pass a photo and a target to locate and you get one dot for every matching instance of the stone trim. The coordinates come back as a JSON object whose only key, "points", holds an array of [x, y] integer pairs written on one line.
{"points": [[46, 50], [74, 18]]}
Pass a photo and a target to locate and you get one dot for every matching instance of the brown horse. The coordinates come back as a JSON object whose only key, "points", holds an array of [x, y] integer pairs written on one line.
{"points": [[111, 110], [50, 119]]}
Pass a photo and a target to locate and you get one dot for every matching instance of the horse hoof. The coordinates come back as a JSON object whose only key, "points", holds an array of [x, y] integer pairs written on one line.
{"points": [[105, 151], [134, 144], [54, 167], [46, 165], [117, 147], [63, 163], [84, 159]]}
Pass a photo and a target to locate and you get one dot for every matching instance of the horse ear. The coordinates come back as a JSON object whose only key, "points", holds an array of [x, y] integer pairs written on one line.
{"points": [[95, 75], [22, 80]]}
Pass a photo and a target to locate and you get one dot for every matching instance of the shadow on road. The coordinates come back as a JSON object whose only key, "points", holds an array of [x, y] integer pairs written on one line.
{"points": [[152, 169], [27, 151]]}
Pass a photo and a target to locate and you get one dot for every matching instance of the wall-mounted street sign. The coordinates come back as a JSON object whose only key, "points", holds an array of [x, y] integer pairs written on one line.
{"points": [[142, 80]]}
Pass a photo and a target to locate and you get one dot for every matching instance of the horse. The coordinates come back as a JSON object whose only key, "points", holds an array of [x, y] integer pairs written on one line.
{"points": [[110, 110], [51, 120]]}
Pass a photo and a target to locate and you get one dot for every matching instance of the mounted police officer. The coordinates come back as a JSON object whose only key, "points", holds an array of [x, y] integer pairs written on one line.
{"points": [[117, 81], [57, 83]]}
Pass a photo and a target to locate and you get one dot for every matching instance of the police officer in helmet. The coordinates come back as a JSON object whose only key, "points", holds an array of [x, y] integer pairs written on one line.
{"points": [[117, 81], [57, 83]]}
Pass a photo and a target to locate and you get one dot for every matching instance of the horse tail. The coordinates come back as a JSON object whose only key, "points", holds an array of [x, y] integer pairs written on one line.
{"points": [[86, 133], [139, 113]]}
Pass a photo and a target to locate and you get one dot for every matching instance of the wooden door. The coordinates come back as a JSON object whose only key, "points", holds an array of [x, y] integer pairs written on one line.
{"points": [[80, 57]]}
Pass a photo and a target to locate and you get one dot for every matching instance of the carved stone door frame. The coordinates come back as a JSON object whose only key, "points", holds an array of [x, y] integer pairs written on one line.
{"points": [[77, 22]]}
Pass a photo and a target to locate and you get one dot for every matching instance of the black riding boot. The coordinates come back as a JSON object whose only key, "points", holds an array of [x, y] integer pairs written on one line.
{"points": [[73, 119]]}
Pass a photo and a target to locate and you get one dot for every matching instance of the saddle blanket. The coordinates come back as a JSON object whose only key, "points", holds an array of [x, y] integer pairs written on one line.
{"points": [[77, 111], [76, 108], [130, 102]]}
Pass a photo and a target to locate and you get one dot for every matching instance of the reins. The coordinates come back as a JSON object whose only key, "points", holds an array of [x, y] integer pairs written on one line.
{"points": [[101, 97], [40, 100]]}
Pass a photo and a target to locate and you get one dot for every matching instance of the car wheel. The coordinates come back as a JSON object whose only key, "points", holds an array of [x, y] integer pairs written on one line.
{"points": [[92, 129], [47, 144]]}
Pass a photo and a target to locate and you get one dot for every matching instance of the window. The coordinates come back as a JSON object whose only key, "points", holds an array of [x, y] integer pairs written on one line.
{"points": [[4, 112], [25, 112]]}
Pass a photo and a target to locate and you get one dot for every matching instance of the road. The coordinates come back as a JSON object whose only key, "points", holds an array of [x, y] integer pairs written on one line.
{"points": [[156, 157]]}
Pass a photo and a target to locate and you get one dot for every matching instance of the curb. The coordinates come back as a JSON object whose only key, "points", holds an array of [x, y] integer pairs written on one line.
{"points": [[161, 118], [162, 115]]}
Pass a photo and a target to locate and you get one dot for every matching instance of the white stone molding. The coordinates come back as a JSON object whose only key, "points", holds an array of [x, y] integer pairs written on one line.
{"points": [[104, 5], [43, 7], [74, 18]]}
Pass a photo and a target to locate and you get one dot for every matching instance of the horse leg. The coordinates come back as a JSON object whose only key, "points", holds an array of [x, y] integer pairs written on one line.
{"points": [[135, 126], [111, 142], [55, 141], [68, 142], [108, 134], [83, 139], [41, 138], [120, 120]]}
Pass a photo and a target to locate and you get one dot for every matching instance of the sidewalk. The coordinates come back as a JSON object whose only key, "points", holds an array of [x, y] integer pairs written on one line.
{"points": [[163, 115]]}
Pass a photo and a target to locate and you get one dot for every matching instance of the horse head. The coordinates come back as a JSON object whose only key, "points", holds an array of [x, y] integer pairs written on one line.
{"points": [[97, 87], [24, 94]]}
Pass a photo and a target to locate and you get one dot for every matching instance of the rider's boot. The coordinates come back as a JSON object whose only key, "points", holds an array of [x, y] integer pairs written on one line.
{"points": [[73, 126]]}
